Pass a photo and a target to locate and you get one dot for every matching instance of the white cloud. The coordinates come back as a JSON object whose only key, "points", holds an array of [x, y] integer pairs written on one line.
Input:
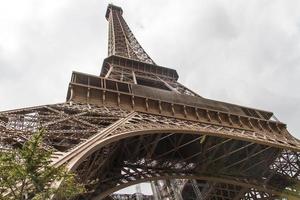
{"points": [[235, 51], [244, 52]]}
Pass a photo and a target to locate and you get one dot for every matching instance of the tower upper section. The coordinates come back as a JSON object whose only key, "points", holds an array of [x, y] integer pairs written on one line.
{"points": [[121, 41], [128, 62], [130, 79]]}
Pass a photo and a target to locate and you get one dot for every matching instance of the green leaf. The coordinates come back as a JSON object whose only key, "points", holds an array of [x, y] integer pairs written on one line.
{"points": [[27, 172]]}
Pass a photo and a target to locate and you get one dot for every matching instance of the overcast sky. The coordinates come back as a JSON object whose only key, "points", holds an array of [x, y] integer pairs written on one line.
{"points": [[242, 52]]}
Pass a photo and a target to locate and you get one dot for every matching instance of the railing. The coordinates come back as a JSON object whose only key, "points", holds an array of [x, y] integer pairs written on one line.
{"points": [[100, 82]]}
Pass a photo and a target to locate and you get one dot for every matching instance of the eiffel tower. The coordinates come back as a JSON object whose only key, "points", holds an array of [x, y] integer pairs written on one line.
{"points": [[136, 123]]}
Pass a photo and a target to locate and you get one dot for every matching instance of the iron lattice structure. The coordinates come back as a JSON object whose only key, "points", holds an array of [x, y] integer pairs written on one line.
{"points": [[135, 123]]}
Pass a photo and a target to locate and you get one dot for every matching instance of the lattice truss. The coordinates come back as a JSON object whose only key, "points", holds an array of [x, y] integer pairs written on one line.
{"points": [[110, 148], [131, 197], [210, 190], [143, 147], [122, 42], [118, 72], [66, 125], [148, 147]]}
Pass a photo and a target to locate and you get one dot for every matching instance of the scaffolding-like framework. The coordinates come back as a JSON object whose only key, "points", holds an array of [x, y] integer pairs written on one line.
{"points": [[135, 123]]}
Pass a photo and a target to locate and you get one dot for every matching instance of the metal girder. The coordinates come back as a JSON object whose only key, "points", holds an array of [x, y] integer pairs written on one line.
{"points": [[135, 157], [136, 123], [66, 125], [122, 42], [139, 155]]}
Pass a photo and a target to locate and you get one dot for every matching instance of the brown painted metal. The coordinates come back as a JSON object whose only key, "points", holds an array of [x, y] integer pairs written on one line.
{"points": [[136, 123]]}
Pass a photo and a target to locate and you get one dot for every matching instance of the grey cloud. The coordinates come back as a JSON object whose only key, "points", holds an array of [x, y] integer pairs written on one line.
{"points": [[243, 52], [219, 24]]}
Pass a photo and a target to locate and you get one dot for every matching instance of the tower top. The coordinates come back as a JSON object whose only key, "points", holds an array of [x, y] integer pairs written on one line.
{"points": [[121, 41], [112, 7]]}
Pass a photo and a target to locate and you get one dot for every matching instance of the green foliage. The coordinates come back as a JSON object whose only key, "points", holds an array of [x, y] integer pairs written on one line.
{"points": [[26, 173]]}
